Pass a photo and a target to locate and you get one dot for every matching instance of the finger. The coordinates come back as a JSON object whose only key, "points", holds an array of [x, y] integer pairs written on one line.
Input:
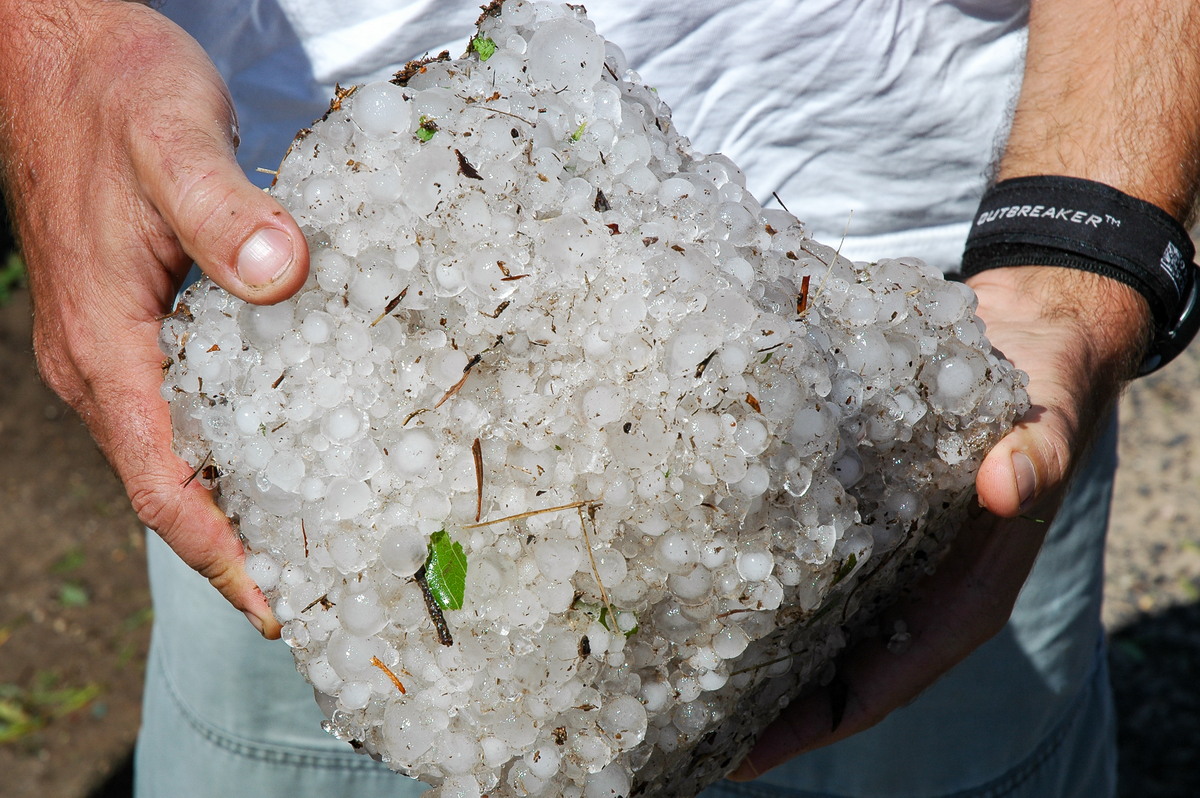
{"points": [[1029, 464], [133, 427], [239, 235]]}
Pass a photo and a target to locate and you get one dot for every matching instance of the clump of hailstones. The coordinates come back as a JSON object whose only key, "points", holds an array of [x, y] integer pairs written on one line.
{"points": [[570, 462]]}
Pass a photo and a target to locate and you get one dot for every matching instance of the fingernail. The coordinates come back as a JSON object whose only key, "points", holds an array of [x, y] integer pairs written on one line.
{"points": [[264, 256], [254, 620], [1026, 478]]}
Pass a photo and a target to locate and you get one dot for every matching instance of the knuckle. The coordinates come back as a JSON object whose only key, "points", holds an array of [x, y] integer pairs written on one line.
{"points": [[58, 368], [207, 210], [159, 507], [155, 507]]}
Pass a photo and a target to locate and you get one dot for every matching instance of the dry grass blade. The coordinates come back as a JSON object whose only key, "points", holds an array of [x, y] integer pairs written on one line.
{"points": [[530, 514], [587, 541], [455, 388]]}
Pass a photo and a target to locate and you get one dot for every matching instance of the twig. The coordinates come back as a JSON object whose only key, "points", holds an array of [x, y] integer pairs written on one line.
{"points": [[413, 415], [435, 612], [766, 664], [802, 300], [322, 600], [506, 113], [199, 468], [477, 453]]}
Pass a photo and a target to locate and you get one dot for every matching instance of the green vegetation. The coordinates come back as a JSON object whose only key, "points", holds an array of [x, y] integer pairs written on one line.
{"points": [[12, 276], [25, 710]]}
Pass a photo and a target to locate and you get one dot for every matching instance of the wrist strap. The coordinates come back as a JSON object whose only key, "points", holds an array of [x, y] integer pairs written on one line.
{"points": [[1049, 220]]}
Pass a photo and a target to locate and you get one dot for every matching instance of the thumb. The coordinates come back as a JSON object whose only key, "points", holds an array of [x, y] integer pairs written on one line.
{"points": [[1031, 463], [236, 233]]}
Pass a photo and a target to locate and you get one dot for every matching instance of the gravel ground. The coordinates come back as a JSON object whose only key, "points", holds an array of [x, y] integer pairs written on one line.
{"points": [[1152, 586], [74, 607]]}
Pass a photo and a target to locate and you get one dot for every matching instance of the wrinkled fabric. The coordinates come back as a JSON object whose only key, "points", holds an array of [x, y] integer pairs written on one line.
{"points": [[873, 119]]}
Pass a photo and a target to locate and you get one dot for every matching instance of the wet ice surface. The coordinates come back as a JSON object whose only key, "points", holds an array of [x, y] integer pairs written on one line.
{"points": [[524, 276]]}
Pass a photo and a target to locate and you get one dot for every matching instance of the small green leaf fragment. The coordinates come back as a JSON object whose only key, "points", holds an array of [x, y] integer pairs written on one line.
{"points": [[73, 595], [426, 128], [446, 570], [12, 277], [484, 46], [845, 569], [616, 627], [768, 357], [72, 560], [578, 134]]}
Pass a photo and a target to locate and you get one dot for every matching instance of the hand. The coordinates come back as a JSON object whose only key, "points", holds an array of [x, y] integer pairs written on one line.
{"points": [[1076, 335], [118, 142]]}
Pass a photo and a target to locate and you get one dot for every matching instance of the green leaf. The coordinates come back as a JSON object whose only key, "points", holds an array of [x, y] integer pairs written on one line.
{"points": [[578, 134], [845, 569], [484, 46], [426, 128], [446, 571], [616, 627]]}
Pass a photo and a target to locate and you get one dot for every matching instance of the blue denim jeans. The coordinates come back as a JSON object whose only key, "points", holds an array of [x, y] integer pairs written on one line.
{"points": [[1027, 714]]}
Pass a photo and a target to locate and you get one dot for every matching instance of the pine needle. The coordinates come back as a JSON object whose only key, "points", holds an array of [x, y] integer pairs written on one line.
{"points": [[378, 663]]}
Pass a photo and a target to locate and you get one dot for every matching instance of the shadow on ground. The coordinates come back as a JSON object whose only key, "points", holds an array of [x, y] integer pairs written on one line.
{"points": [[1155, 665], [119, 784]]}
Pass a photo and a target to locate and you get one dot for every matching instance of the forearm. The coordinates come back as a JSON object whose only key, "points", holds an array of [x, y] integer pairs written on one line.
{"points": [[1112, 93]]}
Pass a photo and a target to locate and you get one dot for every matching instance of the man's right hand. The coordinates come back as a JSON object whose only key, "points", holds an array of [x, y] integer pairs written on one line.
{"points": [[117, 141]]}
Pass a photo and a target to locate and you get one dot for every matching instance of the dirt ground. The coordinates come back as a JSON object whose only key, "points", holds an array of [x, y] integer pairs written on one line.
{"points": [[74, 606]]}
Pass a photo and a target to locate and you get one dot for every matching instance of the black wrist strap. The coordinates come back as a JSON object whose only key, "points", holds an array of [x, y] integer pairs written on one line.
{"points": [[1049, 220]]}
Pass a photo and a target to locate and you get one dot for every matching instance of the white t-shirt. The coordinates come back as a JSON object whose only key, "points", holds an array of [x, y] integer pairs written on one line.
{"points": [[872, 116]]}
